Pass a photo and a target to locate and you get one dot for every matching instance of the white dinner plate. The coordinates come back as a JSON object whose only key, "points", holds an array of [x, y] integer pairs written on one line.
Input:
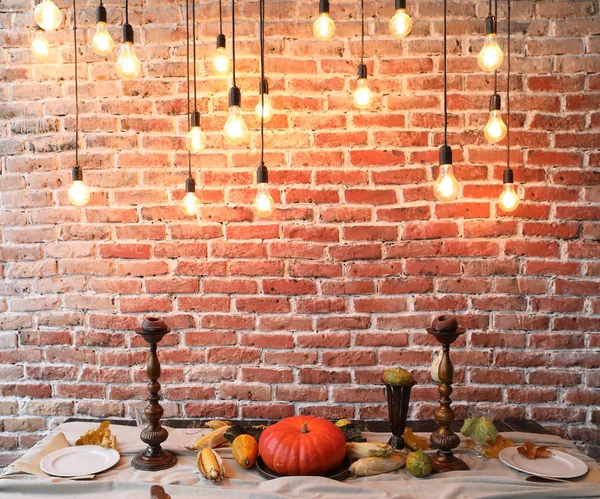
{"points": [[558, 465], [78, 461]]}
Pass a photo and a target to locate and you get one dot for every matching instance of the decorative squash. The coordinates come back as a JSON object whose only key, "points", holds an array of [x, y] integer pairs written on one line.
{"points": [[302, 445], [245, 450]]}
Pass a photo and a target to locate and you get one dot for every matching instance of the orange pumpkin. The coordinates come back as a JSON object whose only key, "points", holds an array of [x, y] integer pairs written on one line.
{"points": [[302, 445]]}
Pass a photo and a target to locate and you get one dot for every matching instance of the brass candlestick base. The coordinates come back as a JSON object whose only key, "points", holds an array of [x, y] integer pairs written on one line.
{"points": [[154, 458], [445, 329]]}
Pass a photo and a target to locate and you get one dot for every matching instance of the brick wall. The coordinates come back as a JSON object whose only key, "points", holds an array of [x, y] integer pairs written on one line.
{"points": [[301, 313]]}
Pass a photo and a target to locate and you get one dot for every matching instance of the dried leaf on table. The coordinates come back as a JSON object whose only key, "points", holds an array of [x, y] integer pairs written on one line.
{"points": [[529, 450], [99, 436], [495, 446], [415, 442]]}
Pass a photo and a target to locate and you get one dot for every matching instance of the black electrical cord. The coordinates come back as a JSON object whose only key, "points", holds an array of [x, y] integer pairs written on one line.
{"points": [[508, 89], [76, 88], [126, 11], [187, 37], [233, 38], [262, 79], [495, 71], [194, 46], [445, 81], [220, 18], [362, 46]]}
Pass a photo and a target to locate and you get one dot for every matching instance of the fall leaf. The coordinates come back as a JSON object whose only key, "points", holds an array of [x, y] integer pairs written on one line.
{"points": [[415, 442], [496, 445], [529, 451]]}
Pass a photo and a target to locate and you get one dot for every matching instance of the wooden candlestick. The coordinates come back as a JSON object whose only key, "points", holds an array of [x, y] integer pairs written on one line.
{"points": [[154, 458], [446, 331]]}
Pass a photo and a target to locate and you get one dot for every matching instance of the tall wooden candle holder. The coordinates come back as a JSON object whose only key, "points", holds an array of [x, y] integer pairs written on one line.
{"points": [[446, 331], [154, 458]]}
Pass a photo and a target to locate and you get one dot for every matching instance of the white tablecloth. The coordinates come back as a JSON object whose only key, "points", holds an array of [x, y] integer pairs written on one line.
{"points": [[489, 479]]}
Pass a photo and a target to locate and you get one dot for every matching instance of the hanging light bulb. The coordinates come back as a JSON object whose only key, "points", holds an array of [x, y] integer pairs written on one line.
{"points": [[40, 48], [263, 204], [221, 61], [324, 27], [47, 15], [128, 64], [267, 114], [401, 22], [363, 97], [235, 129], [190, 203], [78, 194], [196, 137], [446, 187], [102, 43], [490, 57], [495, 129], [509, 199]]}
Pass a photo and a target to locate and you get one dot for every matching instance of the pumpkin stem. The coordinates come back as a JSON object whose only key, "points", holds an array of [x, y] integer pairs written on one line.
{"points": [[304, 428]]}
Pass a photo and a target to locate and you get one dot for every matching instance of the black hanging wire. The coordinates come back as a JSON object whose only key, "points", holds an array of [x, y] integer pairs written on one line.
{"points": [[126, 11], [445, 81], [233, 38], [187, 33], [508, 89], [362, 45], [262, 79], [220, 18], [194, 46], [76, 88], [495, 70]]}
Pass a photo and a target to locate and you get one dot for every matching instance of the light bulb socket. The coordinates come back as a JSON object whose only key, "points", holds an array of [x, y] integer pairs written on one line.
{"points": [[101, 16], [190, 185], [262, 175], [490, 25], [445, 155], [508, 177], [39, 28], [323, 6], [221, 42], [235, 97], [495, 102], [77, 174], [127, 33], [400, 4], [263, 87], [362, 71], [194, 119]]}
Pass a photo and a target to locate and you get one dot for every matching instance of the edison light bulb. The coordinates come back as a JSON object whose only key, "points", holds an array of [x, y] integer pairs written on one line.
{"points": [[363, 97], [47, 15], [509, 200], [324, 27], [400, 24], [495, 129], [190, 203], [490, 57], [79, 194], [221, 61], [128, 65], [268, 109], [196, 139], [446, 186], [102, 43], [235, 129], [40, 49], [263, 204]]}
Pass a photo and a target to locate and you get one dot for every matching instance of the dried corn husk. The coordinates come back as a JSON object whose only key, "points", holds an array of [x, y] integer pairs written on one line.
{"points": [[369, 466], [210, 465], [358, 450], [215, 424], [212, 440]]}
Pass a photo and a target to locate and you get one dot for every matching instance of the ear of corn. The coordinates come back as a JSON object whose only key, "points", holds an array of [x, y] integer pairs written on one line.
{"points": [[369, 466], [210, 465], [212, 440], [215, 424], [359, 450]]}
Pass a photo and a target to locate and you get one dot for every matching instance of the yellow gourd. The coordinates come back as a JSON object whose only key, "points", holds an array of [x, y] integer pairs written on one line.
{"points": [[245, 450]]}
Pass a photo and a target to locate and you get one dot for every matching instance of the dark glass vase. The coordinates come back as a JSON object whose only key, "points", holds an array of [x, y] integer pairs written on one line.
{"points": [[397, 399]]}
